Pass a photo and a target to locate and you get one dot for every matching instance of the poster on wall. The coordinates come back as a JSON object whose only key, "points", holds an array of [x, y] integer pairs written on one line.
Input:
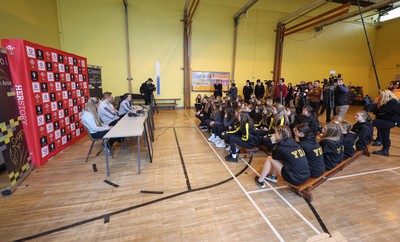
{"points": [[51, 87], [14, 155], [95, 87], [203, 81]]}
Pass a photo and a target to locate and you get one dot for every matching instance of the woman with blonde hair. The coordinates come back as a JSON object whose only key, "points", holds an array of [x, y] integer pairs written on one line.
{"points": [[92, 122], [332, 145], [387, 117]]}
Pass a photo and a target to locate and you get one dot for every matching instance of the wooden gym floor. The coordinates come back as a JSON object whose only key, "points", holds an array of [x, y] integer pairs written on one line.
{"points": [[196, 196]]}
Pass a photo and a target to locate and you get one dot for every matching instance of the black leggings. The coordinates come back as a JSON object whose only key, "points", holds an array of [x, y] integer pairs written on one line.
{"points": [[237, 140], [384, 127], [99, 135]]}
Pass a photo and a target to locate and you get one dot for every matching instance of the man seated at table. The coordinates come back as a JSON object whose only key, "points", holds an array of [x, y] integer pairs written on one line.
{"points": [[106, 110]]}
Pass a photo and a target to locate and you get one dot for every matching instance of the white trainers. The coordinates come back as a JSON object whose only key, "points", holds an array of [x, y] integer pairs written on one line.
{"points": [[216, 139], [220, 144], [228, 148], [211, 137]]}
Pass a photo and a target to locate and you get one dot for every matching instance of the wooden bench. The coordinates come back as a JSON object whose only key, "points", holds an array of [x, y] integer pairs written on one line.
{"points": [[166, 102], [305, 189], [248, 151]]}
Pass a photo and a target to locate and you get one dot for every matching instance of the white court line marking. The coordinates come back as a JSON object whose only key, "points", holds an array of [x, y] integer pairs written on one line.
{"points": [[267, 189], [363, 173], [286, 201], [395, 172], [240, 185]]}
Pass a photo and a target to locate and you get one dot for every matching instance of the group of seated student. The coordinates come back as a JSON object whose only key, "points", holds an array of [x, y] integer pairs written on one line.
{"points": [[100, 116], [234, 124]]}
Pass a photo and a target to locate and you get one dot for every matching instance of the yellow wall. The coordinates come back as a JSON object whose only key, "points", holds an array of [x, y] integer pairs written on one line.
{"points": [[387, 54], [96, 29], [307, 55], [35, 21]]}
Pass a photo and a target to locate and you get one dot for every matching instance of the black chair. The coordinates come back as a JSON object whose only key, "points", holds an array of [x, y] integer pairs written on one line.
{"points": [[93, 141]]}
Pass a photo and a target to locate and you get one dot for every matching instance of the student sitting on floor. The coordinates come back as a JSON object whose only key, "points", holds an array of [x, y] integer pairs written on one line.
{"points": [[363, 127], [126, 105], [92, 122], [288, 160], [248, 139], [349, 140], [313, 150], [332, 145]]}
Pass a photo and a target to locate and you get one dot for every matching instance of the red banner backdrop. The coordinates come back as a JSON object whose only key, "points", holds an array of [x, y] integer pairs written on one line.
{"points": [[51, 89]]}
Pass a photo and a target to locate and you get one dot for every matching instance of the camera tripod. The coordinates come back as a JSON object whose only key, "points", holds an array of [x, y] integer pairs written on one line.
{"points": [[153, 104]]}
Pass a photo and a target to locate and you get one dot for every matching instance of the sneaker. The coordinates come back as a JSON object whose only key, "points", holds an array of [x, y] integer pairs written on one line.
{"points": [[271, 178], [202, 127], [229, 158], [216, 139], [211, 138], [376, 143], [221, 144], [381, 152], [237, 149], [260, 184], [228, 148]]}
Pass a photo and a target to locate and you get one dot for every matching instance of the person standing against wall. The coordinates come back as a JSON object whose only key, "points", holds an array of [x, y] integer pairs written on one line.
{"points": [[146, 89], [281, 91], [259, 90], [218, 88], [247, 91]]}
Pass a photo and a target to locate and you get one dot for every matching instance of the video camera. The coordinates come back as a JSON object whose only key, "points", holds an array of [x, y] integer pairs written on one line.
{"points": [[332, 80]]}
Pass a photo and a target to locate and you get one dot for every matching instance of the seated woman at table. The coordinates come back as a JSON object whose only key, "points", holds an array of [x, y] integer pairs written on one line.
{"points": [[91, 120], [126, 105]]}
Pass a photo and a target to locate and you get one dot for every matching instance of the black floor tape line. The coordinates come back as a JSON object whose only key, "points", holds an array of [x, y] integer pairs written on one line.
{"points": [[324, 228], [106, 219], [110, 183], [130, 208], [183, 162], [94, 168], [151, 192]]}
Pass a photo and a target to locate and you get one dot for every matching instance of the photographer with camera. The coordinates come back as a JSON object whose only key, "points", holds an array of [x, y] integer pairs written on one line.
{"points": [[146, 89], [342, 97], [300, 94]]}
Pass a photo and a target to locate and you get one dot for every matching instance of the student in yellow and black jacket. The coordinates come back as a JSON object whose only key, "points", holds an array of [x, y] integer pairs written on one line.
{"points": [[279, 118], [247, 140], [332, 145], [349, 140], [288, 160]]}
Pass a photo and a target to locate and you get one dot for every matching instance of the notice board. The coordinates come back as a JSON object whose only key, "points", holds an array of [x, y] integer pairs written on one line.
{"points": [[203, 81]]}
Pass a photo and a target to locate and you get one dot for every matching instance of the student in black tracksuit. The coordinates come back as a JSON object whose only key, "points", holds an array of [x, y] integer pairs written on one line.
{"points": [[228, 124], [218, 89], [349, 140], [279, 118], [309, 117], [259, 90], [205, 113], [265, 124], [247, 91], [313, 150], [288, 160], [247, 140], [198, 103], [364, 129], [332, 145]]}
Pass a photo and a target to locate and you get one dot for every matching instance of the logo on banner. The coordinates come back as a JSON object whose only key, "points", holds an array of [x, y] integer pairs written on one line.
{"points": [[52, 147], [69, 137], [56, 76], [39, 54], [72, 77], [45, 151], [49, 128], [56, 125], [66, 113], [64, 140], [73, 86], [68, 77], [49, 66], [61, 113], [39, 109], [45, 97], [63, 133], [50, 76], [58, 86], [79, 70], [30, 52], [73, 127], [53, 106], [43, 141], [83, 63], [67, 68], [43, 86], [74, 61], [75, 69], [40, 120], [60, 58], [80, 78], [41, 65], [48, 118], [36, 87], [57, 134], [61, 67], [34, 76]]}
